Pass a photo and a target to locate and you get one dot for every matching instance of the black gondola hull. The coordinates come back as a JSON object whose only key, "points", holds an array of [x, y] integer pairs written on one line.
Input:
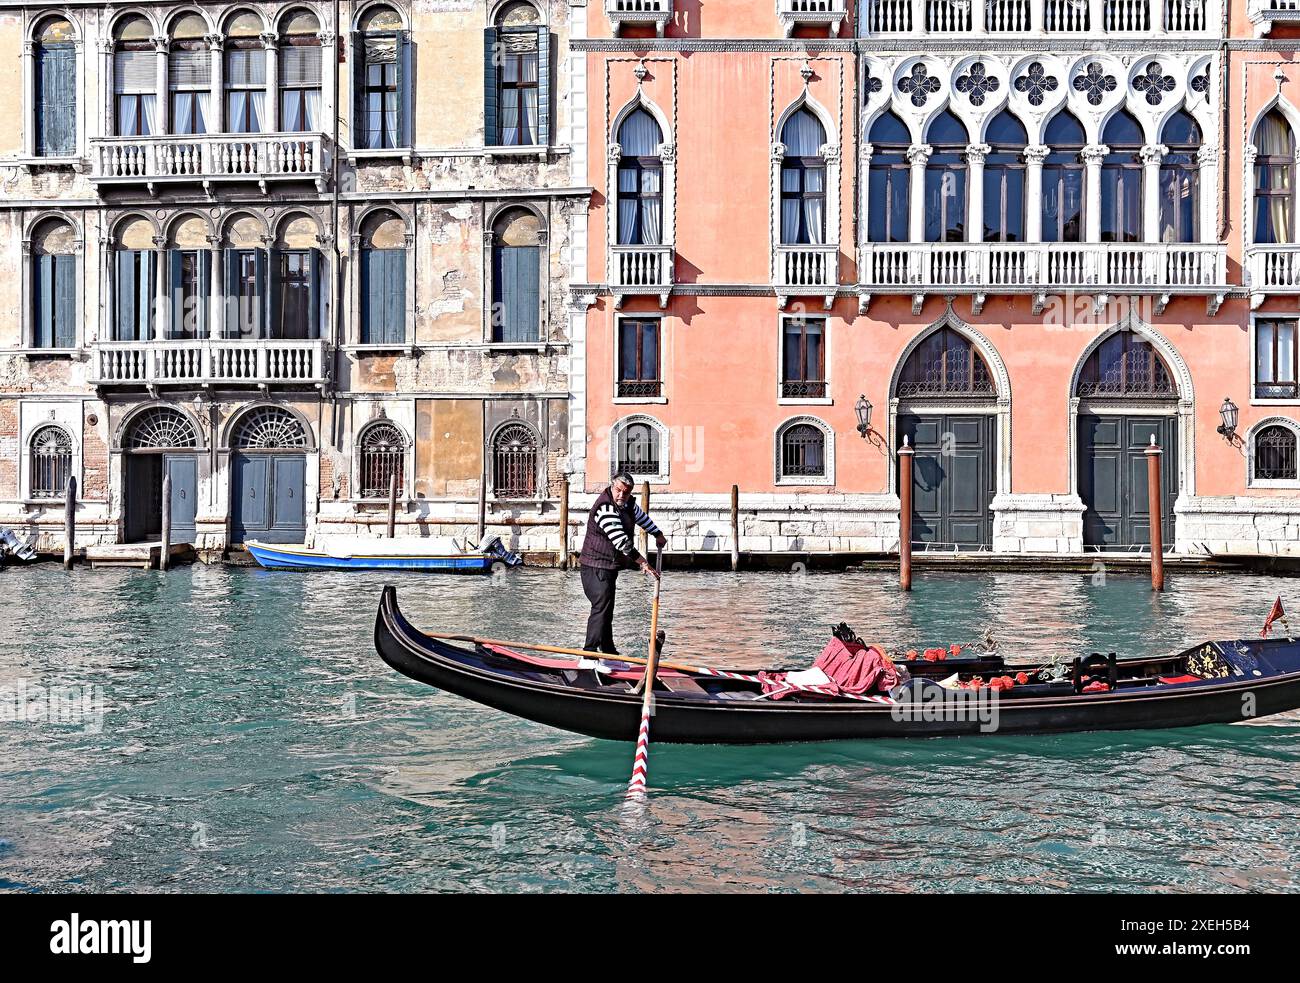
{"points": [[616, 715]]}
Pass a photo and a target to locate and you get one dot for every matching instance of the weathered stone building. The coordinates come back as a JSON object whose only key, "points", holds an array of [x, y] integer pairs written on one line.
{"points": [[281, 252]]}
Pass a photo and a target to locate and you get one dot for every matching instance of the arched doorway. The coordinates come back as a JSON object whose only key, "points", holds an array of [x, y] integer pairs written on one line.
{"points": [[158, 443], [269, 478], [1126, 395], [947, 403]]}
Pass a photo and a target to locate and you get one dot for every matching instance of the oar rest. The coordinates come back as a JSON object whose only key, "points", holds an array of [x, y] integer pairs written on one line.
{"points": [[1086, 671]]}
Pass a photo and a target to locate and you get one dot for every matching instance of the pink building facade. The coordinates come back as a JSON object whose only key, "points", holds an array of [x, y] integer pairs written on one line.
{"points": [[1032, 235]]}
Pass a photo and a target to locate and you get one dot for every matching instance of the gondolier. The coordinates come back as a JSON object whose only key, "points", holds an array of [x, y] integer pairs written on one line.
{"points": [[606, 549]]}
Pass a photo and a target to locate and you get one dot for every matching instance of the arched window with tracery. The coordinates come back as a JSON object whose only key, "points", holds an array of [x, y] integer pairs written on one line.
{"points": [[1274, 457], [640, 181], [802, 452], [1180, 180], [514, 462], [1121, 180], [1125, 365], [51, 462], [638, 450], [270, 428], [945, 180], [383, 456], [945, 363], [159, 429], [803, 180], [189, 77], [1063, 179], [135, 78], [1004, 179], [300, 74], [1275, 178], [889, 177]]}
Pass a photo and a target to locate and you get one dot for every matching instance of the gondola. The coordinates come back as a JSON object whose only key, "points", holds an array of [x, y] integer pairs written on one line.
{"points": [[1214, 682]]}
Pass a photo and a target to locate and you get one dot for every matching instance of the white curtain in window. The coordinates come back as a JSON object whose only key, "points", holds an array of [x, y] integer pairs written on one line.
{"points": [[290, 112], [814, 208], [803, 135], [313, 122], [149, 107], [639, 136], [651, 209], [1286, 352], [1273, 138], [127, 110], [183, 113]]}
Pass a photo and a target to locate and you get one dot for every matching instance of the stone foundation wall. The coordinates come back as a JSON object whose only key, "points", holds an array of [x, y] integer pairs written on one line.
{"points": [[1037, 524], [1238, 525]]}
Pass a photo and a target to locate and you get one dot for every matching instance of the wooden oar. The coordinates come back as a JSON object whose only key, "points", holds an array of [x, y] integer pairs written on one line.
{"points": [[641, 763], [559, 650]]}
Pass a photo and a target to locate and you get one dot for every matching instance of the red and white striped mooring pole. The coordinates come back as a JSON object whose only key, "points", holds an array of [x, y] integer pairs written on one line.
{"points": [[641, 763]]}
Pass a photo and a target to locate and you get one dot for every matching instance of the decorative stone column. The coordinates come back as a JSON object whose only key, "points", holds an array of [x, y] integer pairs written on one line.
{"points": [[160, 324], [1093, 155], [216, 44], [216, 288], [1208, 180], [271, 45], [864, 202], [1151, 155], [918, 155], [329, 61], [975, 156], [1035, 155], [161, 47]]}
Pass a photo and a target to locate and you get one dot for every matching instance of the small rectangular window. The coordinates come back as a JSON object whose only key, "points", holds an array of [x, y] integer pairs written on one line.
{"points": [[638, 359], [1277, 374], [803, 347]]}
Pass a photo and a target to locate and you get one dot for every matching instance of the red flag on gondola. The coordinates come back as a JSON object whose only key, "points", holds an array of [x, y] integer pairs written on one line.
{"points": [[1275, 614]]}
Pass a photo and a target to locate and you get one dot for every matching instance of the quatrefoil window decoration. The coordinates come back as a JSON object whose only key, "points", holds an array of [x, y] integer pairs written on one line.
{"points": [[1095, 82], [870, 84], [1036, 83], [1201, 83], [1155, 83], [919, 84], [977, 83]]}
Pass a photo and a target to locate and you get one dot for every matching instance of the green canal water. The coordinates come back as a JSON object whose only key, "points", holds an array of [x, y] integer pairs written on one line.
{"points": [[252, 740]]}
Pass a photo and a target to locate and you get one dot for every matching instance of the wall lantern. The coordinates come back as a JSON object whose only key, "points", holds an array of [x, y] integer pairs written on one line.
{"points": [[1228, 412], [863, 409]]}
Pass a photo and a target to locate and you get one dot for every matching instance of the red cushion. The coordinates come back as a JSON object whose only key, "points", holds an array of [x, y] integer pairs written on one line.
{"points": [[1180, 679]]}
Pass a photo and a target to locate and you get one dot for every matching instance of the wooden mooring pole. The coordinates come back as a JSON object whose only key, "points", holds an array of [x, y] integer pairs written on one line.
{"points": [[392, 505], [69, 522], [165, 557], [1155, 509], [735, 528], [564, 523], [642, 536], [905, 516], [482, 505]]}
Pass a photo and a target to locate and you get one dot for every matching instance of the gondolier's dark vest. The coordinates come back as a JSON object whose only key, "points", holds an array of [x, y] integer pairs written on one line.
{"points": [[597, 550]]}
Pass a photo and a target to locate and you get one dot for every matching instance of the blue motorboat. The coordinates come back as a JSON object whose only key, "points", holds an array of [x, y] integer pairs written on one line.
{"points": [[386, 554]]}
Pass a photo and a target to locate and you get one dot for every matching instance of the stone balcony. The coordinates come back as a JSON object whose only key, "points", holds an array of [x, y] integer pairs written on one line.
{"points": [[654, 13], [637, 270], [1272, 270], [1053, 18], [1264, 14], [208, 158], [804, 270], [793, 14], [209, 361], [1044, 268]]}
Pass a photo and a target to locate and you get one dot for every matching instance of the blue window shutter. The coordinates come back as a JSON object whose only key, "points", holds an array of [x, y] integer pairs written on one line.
{"points": [[56, 109], [125, 295], [205, 293], [491, 95], [360, 123], [230, 259], [267, 265], [517, 272], [395, 292], [405, 92], [314, 293], [366, 270], [177, 328], [43, 306], [65, 301], [148, 294], [543, 87]]}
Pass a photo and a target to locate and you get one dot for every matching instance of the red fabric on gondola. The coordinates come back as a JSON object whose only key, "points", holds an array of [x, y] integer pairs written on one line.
{"points": [[851, 668], [1181, 679], [534, 660]]}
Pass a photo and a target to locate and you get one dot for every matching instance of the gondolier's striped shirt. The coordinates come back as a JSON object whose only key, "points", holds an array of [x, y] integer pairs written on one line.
{"points": [[612, 526]]}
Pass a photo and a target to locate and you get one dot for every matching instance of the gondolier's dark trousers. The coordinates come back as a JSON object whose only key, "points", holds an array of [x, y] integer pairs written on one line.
{"points": [[598, 585]]}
